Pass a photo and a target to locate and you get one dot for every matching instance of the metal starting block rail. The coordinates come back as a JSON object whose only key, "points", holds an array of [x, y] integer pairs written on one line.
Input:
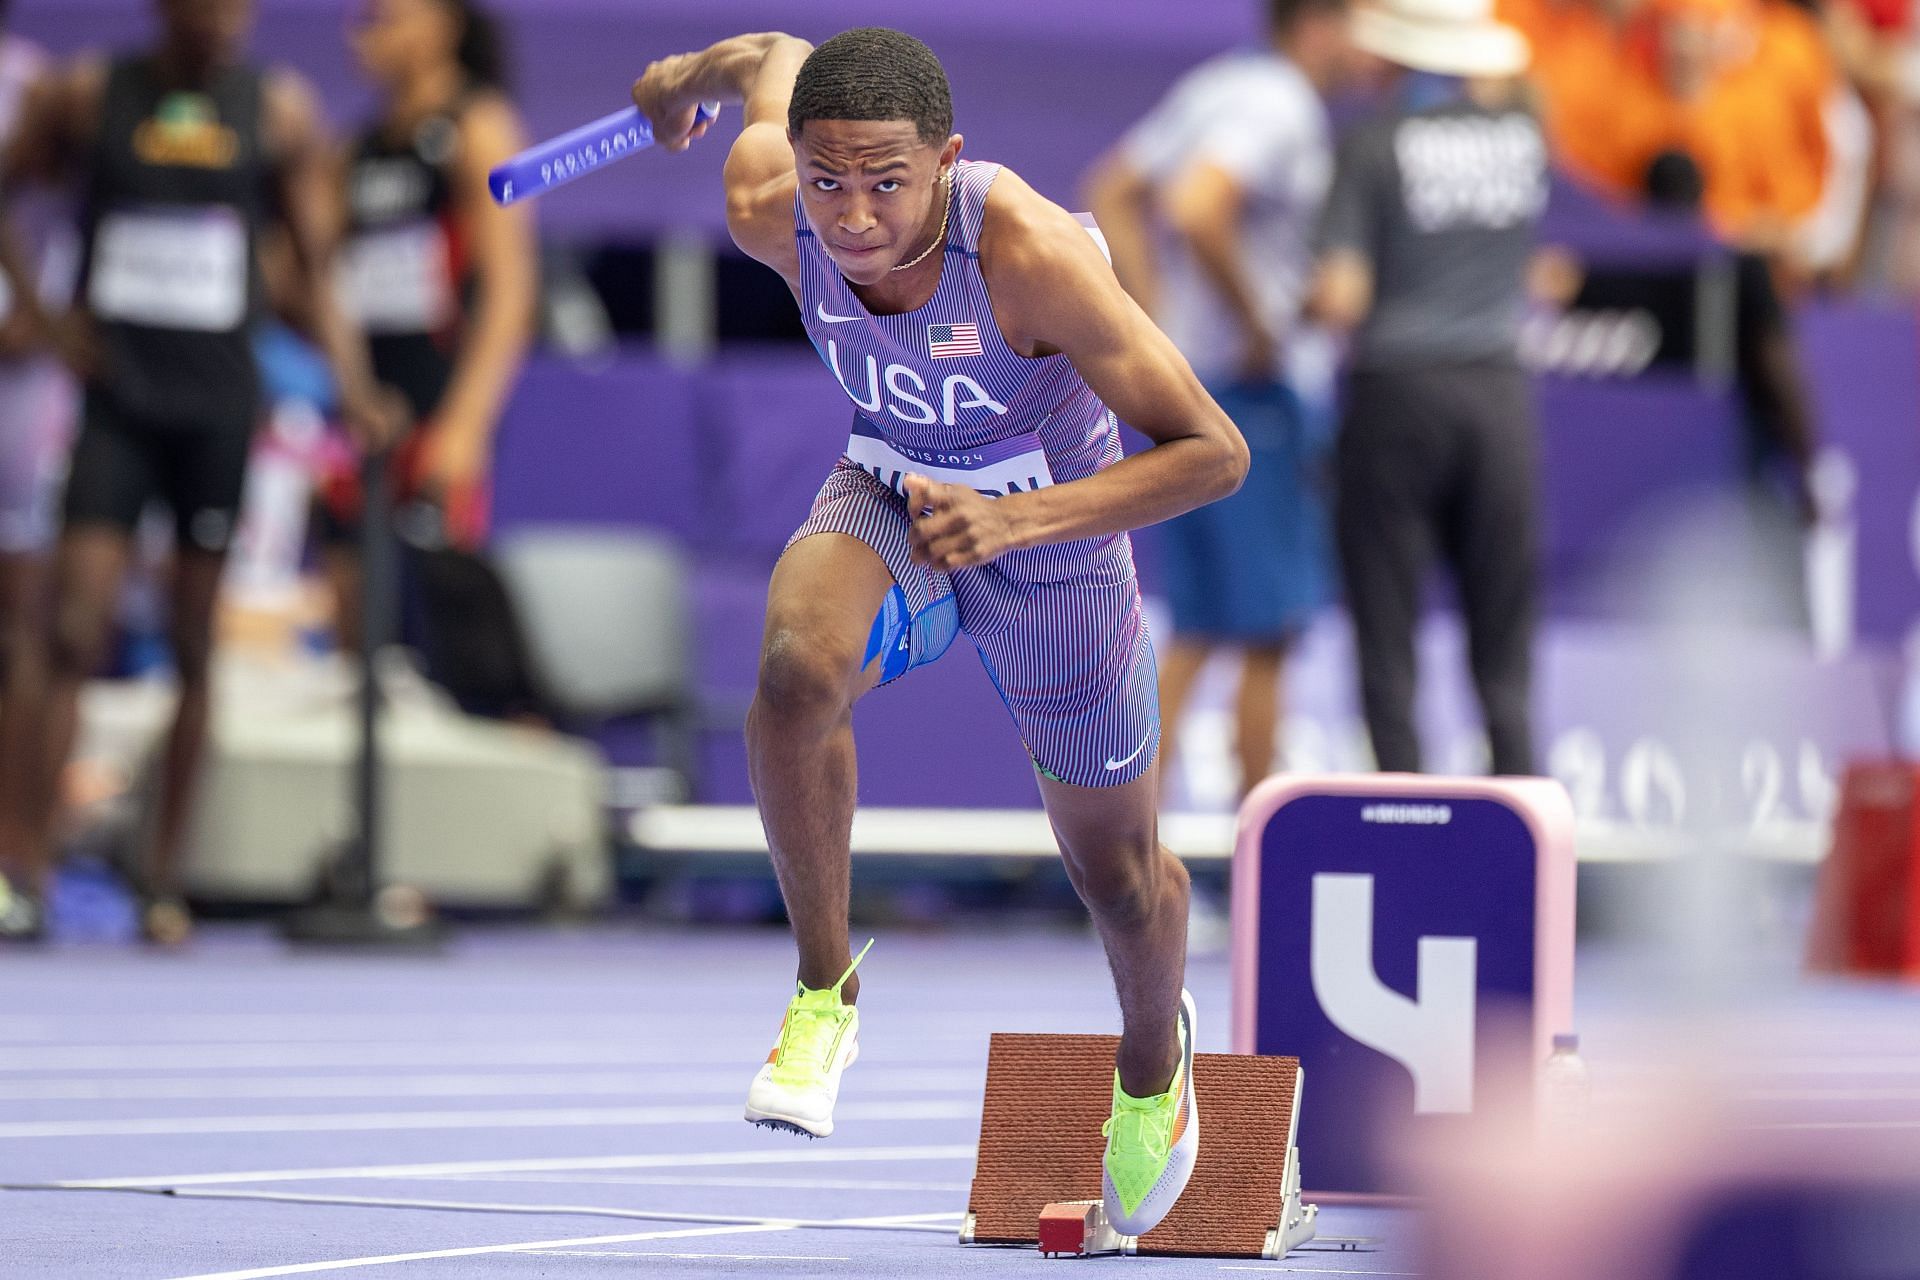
{"points": [[1038, 1177]]}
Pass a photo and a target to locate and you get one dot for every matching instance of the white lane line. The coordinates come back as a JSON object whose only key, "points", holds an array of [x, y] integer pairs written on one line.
{"points": [[54, 1031], [896, 1222], [474, 1251], [643, 1255], [1274, 1268], [689, 1180], [186, 1027], [404, 1121], [529, 1052], [530, 1246], [638, 1080], [585, 1164]]}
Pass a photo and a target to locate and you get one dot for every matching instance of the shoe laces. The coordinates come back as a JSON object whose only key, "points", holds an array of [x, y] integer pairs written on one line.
{"points": [[1142, 1126], [813, 1025]]}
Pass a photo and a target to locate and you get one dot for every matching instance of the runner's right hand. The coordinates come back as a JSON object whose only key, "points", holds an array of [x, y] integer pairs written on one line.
{"points": [[662, 96]]}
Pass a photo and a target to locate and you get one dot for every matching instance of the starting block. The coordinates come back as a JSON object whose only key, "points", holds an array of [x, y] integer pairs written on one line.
{"points": [[1037, 1181]]}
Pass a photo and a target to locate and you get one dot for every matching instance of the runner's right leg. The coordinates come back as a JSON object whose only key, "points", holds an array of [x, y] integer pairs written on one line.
{"points": [[826, 592], [821, 605]]}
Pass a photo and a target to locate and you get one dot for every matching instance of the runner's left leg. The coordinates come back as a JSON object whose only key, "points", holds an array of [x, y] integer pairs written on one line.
{"points": [[1137, 894]]}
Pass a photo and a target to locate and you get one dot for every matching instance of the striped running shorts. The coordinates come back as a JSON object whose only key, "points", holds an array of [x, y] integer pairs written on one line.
{"points": [[1072, 659]]}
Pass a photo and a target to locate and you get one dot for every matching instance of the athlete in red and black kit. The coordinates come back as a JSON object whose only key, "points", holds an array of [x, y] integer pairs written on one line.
{"points": [[443, 281]]}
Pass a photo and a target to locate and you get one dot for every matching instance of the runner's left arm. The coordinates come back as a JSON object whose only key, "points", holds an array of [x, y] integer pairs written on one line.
{"points": [[1055, 294], [309, 190]]}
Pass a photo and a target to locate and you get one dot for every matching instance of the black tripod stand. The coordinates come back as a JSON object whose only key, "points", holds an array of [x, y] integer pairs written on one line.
{"points": [[354, 908]]}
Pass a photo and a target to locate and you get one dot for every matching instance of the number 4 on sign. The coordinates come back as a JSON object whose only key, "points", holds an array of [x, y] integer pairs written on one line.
{"points": [[1431, 1036]]}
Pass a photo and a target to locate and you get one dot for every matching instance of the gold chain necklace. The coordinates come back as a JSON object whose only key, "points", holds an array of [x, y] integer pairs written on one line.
{"points": [[946, 210]]}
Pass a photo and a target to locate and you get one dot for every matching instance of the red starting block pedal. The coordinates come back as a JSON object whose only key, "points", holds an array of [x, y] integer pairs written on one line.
{"points": [[1079, 1228], [1038, 1179]]}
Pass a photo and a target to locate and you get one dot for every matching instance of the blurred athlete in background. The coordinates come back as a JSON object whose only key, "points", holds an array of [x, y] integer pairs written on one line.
{"points": [[36, 419], [1209, 205], [182, 156], [444, 282]]}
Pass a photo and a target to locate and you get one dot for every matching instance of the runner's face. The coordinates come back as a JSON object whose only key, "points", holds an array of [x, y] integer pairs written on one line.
{"points": [[396, 39], [216, 30], [872, 191]]}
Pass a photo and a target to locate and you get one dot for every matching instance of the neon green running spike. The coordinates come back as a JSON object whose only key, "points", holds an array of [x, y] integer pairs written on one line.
{"points": [[1152, 1143], [800, 1080]]}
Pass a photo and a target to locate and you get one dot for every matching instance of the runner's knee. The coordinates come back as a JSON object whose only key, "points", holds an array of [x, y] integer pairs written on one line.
{"points": [[805, 675], [1124, 885]]}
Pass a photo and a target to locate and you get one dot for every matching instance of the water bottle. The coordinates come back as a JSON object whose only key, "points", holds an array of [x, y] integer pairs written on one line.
{"points": [[1565, 1089]]}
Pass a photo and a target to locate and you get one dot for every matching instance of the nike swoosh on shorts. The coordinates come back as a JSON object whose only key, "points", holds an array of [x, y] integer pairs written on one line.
{"points": [[1113, 764]]}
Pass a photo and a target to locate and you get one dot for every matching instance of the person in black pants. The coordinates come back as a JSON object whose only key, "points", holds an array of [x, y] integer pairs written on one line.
{"points": [[1424, 248], [183, 156]]}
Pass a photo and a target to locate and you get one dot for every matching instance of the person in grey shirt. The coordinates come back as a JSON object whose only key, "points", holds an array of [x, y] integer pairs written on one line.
{"points": [[1424, 248], [1208, 204]]}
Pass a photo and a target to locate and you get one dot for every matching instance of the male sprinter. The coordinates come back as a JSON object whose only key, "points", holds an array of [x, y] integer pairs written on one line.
{"points": [[987, 347]]}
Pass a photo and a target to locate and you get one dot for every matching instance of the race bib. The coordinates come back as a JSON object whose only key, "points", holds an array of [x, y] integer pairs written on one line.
{"points": [[171, 269], [395, 279], [1016, 464]]}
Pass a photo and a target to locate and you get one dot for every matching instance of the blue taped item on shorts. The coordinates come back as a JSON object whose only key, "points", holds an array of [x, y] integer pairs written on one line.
{"points": [[903, 640]]}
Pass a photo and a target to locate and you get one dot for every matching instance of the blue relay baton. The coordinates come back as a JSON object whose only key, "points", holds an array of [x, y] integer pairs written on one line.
{"points": [[576, 154]]}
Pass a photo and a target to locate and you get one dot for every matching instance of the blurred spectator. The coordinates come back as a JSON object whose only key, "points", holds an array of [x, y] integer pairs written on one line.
{"points": [[1879, 45], [35, 419], [184, 153], [1747, 89], [1208, 205], [1425, 248], [444, 280], [1733, 110]]}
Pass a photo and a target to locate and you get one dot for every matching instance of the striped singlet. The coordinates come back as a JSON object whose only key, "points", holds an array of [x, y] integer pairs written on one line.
{"points": [[937, 391]]}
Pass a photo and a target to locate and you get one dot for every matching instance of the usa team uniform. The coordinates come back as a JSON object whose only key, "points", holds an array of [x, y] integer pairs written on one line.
{"points": [[938, 393]]}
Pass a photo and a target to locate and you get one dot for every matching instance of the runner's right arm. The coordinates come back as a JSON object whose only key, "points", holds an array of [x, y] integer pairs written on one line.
{"points": [[758, 71]]}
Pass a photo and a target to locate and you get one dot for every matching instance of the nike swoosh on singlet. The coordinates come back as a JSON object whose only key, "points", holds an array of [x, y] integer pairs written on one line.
{"points": [[820, 309], [1113, 764]]}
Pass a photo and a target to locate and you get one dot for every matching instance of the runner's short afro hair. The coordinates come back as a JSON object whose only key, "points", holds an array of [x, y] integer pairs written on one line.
{"points": [[874, 73]]}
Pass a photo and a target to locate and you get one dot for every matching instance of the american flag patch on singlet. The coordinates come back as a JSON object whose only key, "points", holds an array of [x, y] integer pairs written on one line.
{"points": [[945, 341]]}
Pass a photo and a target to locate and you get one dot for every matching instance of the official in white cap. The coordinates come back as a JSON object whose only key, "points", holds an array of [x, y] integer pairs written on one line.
{"points": [[1423, 251], [1444, 37]]}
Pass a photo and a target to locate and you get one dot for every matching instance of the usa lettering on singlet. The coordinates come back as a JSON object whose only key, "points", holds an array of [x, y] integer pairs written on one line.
{"points": [[938, 392]]}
